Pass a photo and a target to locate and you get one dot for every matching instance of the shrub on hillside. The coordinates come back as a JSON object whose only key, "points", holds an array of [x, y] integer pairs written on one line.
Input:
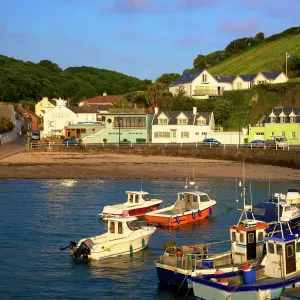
{"points": [[6, 124]]}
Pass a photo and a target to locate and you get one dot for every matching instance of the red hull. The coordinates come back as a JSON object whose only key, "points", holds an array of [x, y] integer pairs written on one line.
{"points": [[179, 220]]}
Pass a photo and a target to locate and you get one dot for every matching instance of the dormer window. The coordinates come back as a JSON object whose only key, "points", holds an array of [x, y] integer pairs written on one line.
{"points": [[282, 119], [201, 121], [204, 78], [163, 121], [292, 119], [182, 121], [273, 119]]}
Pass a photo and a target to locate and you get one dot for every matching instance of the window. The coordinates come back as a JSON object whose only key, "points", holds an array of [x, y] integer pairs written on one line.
{"points": [[283, 133], [204, 198], [279, 249], [51, 124], [196, 133], [251, 238], [162, 134], [260, 236], [289, 250], [204, 77], [273, 119], [204, 133], [201, 121], [298, 247], [129, 122], [120, 228], [130, 198], [185, 134], [233, 236], [163, 121], [182, 121], [272, 133], [112, 227], [282, 119], [136, 198], [188, 198], [195, 198], [271, 248], [293, 134], [292, 119], [260, 133], [241, 237]]}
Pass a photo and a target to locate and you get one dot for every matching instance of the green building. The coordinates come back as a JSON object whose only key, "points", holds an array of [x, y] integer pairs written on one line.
{"points": [[280, 122]]}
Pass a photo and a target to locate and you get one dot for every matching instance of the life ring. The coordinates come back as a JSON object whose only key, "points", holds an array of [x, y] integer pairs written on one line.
{"points": [[199, 213], [193, 215], [210, 211], [177, 219]]}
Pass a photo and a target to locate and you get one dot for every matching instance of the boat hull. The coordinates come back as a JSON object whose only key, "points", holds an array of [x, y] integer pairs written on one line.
{"points": [[210, 290], [178, 220]]}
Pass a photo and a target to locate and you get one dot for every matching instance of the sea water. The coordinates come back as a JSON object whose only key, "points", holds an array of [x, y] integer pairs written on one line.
{"points": [[37, 217]]}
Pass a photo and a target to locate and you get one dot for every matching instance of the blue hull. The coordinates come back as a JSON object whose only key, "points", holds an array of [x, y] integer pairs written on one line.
{"points": [[173, 280]]}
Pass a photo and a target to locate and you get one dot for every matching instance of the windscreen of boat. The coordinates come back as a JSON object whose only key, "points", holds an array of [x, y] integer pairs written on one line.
{"points": [[259, 211], [146, 197], [204, 198], [133, 225]]}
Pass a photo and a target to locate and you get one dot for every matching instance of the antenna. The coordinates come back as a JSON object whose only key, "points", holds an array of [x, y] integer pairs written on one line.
{"points": [[141, 184], [193, 181]]}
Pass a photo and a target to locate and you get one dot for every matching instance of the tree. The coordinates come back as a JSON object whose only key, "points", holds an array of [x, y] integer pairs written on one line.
{"points": [[168, 78], [6, 124], [222, 110], [260, 36], [121, 103], [200, 62], [154, 93], [50, 65]]}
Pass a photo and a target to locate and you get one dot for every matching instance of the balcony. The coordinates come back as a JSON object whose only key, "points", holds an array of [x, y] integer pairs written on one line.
{"points": [[208, 93]]}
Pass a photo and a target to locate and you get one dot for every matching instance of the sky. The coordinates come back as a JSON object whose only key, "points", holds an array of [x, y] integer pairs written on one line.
{"points": [[140, 38]]}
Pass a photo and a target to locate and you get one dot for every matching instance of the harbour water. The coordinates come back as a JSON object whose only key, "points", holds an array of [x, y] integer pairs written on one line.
{"points": [[37, 217]]}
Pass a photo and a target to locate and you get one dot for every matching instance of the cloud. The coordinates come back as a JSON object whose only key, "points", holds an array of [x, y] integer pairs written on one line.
{"points": [[247, 27]]}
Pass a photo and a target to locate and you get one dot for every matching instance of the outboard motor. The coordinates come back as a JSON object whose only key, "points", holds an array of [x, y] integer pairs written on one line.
{"points": [[84, 249]]}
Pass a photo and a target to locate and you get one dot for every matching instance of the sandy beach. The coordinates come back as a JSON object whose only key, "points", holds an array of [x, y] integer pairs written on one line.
{"points": [[84, 165]]}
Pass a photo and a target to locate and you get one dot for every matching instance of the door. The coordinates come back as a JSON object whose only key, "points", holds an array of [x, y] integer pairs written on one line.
{"points": [[173, 136], [290, 259], [251, 245]]}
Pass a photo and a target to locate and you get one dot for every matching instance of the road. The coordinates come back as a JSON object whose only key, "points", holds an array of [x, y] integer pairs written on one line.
{"points": [[13, 147]]}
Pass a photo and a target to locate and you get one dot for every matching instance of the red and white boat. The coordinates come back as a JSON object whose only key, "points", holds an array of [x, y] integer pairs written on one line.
{"points": [[138, 203], [189, 207]]}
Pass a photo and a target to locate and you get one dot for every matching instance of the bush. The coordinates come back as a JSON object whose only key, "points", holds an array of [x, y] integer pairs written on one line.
{"points": [[6, 124], [104, 140]]}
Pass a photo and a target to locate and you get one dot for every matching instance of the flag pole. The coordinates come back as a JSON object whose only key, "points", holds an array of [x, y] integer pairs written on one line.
{"points": [[286, 64]]}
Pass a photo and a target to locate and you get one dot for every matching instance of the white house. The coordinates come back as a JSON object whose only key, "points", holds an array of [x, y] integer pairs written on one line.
{"points": [[201, 84], [181, 127], [60, 116]]}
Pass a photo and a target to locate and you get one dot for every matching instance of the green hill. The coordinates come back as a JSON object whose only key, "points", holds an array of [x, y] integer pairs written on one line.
{"points": [[267, 56], [21, 80]]}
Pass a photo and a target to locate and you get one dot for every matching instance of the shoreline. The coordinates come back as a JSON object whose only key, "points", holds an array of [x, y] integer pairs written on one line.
{"points": [[59, 165]]}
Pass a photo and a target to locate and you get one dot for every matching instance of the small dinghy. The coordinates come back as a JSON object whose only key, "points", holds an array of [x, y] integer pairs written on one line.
{"points": [[125, 235]]}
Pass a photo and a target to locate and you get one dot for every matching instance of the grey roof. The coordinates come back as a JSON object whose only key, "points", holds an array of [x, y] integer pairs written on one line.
{"points": [[173, 114], [83, 109], [248, 77], [268, 75], [277, 111], [227, 79], [52, 102], [187, 77]]}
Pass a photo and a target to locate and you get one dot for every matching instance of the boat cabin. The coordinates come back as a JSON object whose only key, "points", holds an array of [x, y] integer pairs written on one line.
{"points": [[137, 198], [121, 226], [187, 201], [247, 240], [283, 254]]}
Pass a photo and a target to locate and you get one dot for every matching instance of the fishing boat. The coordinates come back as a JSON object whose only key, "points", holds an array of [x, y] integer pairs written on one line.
{"points": [[280, 270], [189, 207], [138, 203], [125, 235]]}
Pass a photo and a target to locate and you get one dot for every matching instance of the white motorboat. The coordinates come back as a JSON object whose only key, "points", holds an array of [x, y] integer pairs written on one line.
{"points": [[138, 203], [125, 235], [293, 196]]}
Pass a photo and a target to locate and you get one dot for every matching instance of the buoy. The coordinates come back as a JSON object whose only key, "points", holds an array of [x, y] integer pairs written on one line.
{"points": [[210, 211], [199, 213], [223, 281], [246, 267], [193, 215], [177, 219]]}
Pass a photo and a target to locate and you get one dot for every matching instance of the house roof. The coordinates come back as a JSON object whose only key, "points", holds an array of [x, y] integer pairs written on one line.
{"points": [[172, 115], [31, 113], [52, 102], [83, 109], [277, 111], [104, 99], [227, 79], [187, 77], [268, 75]]}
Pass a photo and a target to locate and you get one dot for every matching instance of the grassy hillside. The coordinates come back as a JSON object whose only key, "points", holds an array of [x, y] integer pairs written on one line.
{"points": [[268, 56]]}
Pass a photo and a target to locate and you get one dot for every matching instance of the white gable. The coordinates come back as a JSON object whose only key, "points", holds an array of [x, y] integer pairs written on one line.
{"points": [[272, 115], [282, 114]]}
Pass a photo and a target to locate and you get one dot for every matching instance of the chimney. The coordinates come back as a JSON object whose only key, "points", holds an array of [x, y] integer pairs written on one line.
{"points": [[104, 94], [156, 108], [194, 110], [85, 103]]}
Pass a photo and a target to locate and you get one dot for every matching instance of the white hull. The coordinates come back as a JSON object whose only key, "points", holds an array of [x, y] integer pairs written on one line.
{"points": [[102, 248], [211, 293], [293, 201]]}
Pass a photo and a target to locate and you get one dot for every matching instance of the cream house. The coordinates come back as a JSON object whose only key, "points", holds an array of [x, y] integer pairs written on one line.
{"points": [[43, 105], [201, 84], [181, 127]]}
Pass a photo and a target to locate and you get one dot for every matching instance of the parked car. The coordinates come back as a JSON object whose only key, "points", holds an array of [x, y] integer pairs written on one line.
{"points": [[71, 142], [277, 142], [211, 142], [256, 144]]}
